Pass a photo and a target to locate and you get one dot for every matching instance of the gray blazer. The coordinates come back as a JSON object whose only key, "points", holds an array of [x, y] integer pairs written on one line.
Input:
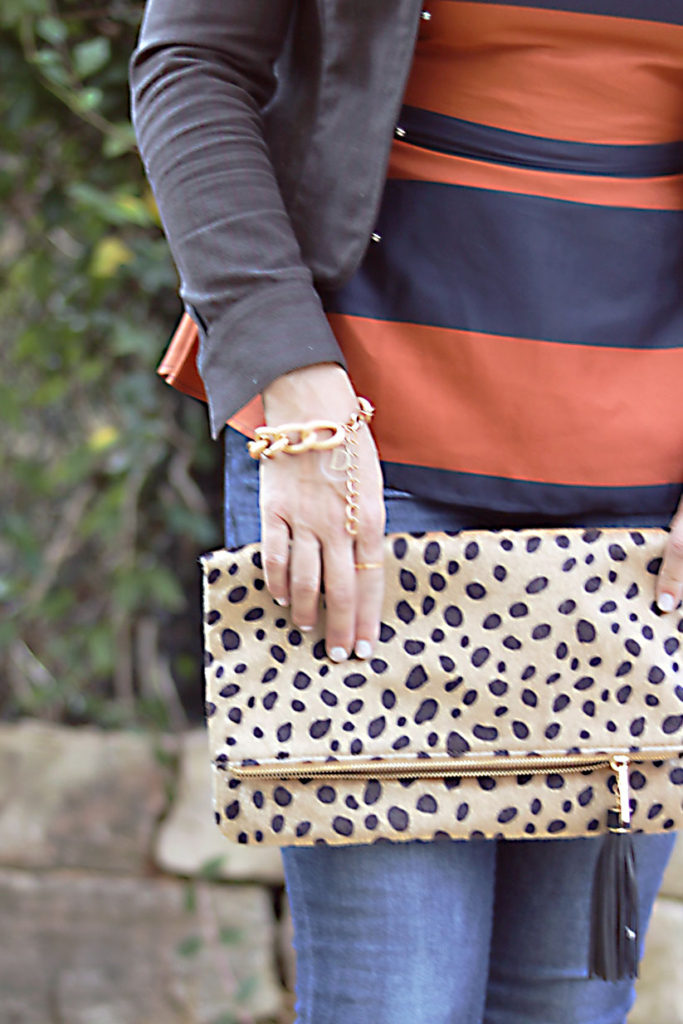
{"points": [[265, 128]]}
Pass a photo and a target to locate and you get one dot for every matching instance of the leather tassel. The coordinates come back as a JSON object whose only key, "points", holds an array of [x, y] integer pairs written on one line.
{"points": [[614, 913]]}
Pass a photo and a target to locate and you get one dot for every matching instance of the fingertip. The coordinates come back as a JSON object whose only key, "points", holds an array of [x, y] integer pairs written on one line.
{"points": [[338, 654], [666, 602], [363, 649]]}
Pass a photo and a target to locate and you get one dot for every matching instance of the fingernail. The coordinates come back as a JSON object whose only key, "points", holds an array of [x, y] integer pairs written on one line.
{"points": [[282, 601], [363, 649], [306, 629], [666, 603], [338, 654]]}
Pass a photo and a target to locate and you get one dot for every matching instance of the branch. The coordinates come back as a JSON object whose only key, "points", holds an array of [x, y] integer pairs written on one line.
{"points": [[62, 544]]}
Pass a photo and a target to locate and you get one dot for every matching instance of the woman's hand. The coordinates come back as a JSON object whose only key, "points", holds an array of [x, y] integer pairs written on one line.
{"points": [[669, 590], [303, 515]]}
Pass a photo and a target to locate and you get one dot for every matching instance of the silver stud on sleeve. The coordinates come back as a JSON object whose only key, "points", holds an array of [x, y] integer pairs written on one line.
{"points": [[426, 16], [375, 237], [399, 132]]}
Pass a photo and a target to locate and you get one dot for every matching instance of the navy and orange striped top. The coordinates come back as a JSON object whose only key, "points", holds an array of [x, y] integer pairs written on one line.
{"points": [[518, 323]]}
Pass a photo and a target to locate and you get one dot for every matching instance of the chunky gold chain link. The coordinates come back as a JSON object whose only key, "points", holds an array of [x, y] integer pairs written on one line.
{"points": [[296, 438]]}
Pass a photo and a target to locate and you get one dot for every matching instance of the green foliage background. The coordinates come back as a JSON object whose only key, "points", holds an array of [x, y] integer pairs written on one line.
{"points": [[109, 481]]}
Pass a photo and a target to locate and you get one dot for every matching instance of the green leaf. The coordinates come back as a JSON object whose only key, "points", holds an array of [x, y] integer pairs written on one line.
{"points": [[246, 988], [190, 946], [90, 98], [51, 66], [52, 30], [91, 56], [190, 898], [230, 936], [100, 647], [130, 338], [109, 256], [211, 869], [119, 207], [119, 142], [164, 588]]}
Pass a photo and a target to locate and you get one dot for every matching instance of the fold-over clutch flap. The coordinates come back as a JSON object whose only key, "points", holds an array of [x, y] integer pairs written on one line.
{"points": [[494, 644]]}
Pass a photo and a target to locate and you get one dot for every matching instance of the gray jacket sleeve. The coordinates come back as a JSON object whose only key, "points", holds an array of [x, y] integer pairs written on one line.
{"points": [[200, 77]]}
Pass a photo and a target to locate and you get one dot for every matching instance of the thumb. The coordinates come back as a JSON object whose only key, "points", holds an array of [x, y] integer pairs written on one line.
{"points": [[669, 587]]}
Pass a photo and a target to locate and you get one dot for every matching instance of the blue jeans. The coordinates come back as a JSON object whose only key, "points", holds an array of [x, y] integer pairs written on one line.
{"points": [[448, 932], [454, 932]]}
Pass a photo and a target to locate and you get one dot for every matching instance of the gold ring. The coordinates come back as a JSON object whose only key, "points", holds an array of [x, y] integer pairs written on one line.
{"points": [[368, 565]]}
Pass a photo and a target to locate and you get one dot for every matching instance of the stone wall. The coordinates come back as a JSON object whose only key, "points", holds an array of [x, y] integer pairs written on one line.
{"points": [[120, 902]]}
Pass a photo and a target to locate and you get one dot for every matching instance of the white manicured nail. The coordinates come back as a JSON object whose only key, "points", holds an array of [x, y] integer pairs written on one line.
{"points": [[338, 654], [282, 601], [363, 649], [306, 629], [666, 603]]}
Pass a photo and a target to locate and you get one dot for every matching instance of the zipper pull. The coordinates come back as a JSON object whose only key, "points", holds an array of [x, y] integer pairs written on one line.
{"points": [[620, 766]]}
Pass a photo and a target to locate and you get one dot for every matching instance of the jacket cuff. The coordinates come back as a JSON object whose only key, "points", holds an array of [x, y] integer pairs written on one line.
{"points": [[257, 340]]}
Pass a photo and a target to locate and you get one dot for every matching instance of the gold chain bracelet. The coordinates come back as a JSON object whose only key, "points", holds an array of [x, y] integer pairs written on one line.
{"points": [[295, 438], [317, 436]]}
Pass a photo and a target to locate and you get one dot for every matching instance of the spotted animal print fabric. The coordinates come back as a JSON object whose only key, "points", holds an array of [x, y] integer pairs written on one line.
{"points": [[511, 669]]}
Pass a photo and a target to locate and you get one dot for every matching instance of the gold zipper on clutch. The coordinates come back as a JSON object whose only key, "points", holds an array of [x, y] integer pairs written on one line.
{"points": [[441, 768]]}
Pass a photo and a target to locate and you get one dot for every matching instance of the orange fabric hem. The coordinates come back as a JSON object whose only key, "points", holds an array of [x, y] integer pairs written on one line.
{"points": [[178, 367]]}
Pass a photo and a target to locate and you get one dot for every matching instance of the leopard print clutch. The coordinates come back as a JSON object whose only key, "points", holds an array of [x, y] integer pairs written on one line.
{"points": [[523, 684]]}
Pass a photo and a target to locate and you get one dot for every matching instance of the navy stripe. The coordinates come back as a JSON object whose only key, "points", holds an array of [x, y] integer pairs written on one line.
{"points": [[453, 135], [459, 501], [522, 266], [668, 11], [469, 500]]}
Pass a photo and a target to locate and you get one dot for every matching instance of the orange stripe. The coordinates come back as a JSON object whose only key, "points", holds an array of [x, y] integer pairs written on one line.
{"points": [[558, 74], [417, 164], [519, 408]]}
